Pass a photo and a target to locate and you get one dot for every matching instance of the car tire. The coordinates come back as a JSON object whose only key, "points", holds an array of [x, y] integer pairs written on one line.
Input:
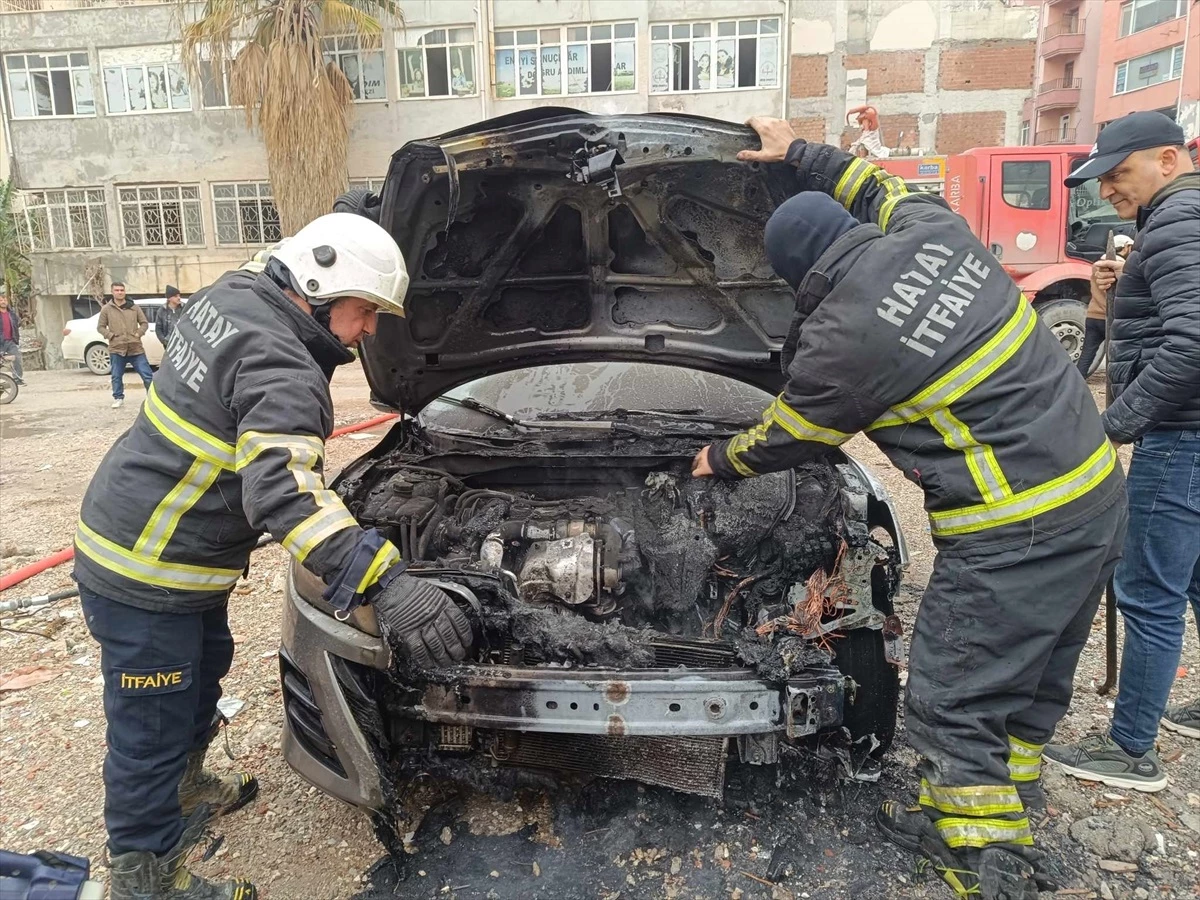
{"points": [[871, 708], [1067, 319], [97, 360]]}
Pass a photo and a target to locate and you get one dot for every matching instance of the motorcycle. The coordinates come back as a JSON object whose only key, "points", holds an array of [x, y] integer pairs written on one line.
{"points": [[8, 385]]}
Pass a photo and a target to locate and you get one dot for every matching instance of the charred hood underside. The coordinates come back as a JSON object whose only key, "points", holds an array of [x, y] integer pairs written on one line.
{"points": [[558, 234]]}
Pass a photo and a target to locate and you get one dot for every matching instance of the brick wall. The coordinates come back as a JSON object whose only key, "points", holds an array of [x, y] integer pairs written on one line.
{"points": [[986, 65], [811, 128], [809, 76], [957, 132], [891, 72]]}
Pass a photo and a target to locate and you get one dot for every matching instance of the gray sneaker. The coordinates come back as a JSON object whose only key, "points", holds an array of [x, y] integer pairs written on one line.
{"points": [[1099, 758], [1183, 719]]}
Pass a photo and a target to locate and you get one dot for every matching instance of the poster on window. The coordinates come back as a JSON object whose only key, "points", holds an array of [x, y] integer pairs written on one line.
{"points": [[701, 66], [624, 66], [462, 71], [660, 68], [157, 81], [577, 69], [412, 73], [506, 73], [725, 64], [528, 71], [551, 70], [768, 70], [372, 77]]}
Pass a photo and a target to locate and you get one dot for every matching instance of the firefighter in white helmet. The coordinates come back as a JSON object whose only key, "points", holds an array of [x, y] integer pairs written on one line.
{"points": [[228, 445]]}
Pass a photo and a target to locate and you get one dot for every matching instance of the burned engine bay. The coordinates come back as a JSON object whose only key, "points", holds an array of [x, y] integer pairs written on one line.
{"points": [[601, 590]]}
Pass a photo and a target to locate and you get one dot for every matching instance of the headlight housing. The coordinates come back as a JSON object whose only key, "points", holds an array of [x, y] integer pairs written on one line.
{"points": [[309, 587]]}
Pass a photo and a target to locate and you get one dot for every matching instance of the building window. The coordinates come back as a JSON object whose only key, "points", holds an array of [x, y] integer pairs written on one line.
{"points": [[161, 215], [245, 213], [714, 56], [441, 65], [1138, 15], [1026, 185], [71, 219], [360, 57], [375, 185], [1025, 134], [144, 80], [600, 59], [41, 84], [1149, 70], [1064, 128]]}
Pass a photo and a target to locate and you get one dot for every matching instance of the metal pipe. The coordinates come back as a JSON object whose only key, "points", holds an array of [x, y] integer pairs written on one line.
{"points": [[1110, 594], [10, 606]]}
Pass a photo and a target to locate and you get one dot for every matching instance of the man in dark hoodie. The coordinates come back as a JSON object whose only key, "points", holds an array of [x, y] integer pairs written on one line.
{"points": [[908, 329]]}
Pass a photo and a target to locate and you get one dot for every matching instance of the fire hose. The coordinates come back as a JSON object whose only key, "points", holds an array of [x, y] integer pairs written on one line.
{"points": [[68, 553]]}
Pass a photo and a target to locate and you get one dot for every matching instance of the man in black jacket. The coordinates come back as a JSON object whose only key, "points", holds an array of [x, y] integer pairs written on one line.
{"points": [[229, 444], [1154, 365], [908, 329], [167, 315]]}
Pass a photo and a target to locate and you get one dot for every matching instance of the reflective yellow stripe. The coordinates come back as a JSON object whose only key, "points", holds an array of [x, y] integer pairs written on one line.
{"points": [[977, 800], [889, 205], [165, 518], [802, 429], [1029, 503], [1024, 760], [326, 521], [251, 443], [985, 469], [971, 832], [136, 567], [856, 172], [185, 435], [967, 374], [386, 557], [740, 444]]}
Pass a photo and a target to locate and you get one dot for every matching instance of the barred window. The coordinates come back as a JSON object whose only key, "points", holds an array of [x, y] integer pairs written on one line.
{"points": [[714, 56], [56, 84], [165, 215], [70, 219], [443, 65], [371, 184], [360, 57], [245, 213]]}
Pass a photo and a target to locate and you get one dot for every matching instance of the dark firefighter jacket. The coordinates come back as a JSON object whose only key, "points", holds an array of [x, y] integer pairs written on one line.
{"points": [[229, 443], [907, 328], [1154, 360]]}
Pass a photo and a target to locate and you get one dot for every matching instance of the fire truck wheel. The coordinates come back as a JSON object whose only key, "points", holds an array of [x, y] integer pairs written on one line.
{"points": [[1067, 319]]}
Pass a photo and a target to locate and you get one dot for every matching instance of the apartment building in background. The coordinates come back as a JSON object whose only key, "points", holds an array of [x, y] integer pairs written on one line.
{"points": [[128, 171], [1062, 106]]}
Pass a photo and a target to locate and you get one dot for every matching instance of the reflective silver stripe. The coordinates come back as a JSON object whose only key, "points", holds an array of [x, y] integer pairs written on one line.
{"points": [[1024, 760], [1028, 503], [979, 800], [252, 443], [326, 521], [174, 576], [985, 471], [185, 435], [803, 430], [967, 374], [165, 518], [971, 832]]}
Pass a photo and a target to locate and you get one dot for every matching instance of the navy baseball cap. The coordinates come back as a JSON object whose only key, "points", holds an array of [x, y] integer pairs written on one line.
{"points": [[1136, 131]]}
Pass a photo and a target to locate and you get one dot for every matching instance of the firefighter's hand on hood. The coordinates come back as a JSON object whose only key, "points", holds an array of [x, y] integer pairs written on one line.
{"points": [[700, 466], [777, 135], [421, 619]]}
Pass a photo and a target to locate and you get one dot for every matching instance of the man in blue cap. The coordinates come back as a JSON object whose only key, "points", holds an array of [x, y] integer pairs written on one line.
{"points": [[908, 329], [1154, 367]]}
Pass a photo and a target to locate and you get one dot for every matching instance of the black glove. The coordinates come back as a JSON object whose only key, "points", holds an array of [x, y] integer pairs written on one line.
{"points": [[359, 201], [424, 620]]}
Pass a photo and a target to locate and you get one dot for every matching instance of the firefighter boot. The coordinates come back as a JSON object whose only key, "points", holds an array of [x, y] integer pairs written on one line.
{"points": [[142, 875], [222, 793]]}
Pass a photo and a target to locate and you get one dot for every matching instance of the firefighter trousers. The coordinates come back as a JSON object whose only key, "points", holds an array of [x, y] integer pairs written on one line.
{"points": [[997, 639], [162, 680]]}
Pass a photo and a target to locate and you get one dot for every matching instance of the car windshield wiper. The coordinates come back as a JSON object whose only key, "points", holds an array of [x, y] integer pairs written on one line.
{"points": [[692, 416], [478, 406], [597, 421]]}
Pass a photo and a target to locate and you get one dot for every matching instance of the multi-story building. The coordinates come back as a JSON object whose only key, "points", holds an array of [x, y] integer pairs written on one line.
{"points": [[128, 171], [1062, 106], [1150, 59]]}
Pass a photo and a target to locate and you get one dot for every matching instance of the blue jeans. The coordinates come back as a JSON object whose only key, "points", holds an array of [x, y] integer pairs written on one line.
{"points": [[140, 365], [162, 680], [1157, 578]]}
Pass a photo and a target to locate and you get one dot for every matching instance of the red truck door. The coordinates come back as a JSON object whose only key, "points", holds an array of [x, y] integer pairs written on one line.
{"points": [[1024, 219]]}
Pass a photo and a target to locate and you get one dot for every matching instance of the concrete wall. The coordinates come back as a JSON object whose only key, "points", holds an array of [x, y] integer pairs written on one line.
{"points": [[949, 75]]}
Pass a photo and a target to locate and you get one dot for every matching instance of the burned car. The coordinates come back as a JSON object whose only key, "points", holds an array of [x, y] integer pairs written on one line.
{"points": [[590, 305]]}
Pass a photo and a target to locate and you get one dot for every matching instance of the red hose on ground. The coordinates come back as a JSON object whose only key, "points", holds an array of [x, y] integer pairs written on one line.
{"points": [[57, 559]]}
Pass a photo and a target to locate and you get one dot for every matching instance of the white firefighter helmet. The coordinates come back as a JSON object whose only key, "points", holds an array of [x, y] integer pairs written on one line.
{"points": [[346, 255]]}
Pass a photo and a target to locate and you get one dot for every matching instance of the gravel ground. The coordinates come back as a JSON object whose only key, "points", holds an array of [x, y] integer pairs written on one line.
{"points": [[619, 841]]}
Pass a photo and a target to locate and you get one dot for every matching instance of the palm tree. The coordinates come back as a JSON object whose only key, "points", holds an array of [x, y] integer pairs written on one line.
{"points": [[277, 73], [14, 262]]}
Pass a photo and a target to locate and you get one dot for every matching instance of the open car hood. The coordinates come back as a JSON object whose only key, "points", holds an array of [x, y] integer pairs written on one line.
{"points": [[554, 235]]}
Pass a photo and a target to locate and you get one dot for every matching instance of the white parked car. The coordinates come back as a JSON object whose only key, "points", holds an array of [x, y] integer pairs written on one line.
{"points": [[83, 343]]}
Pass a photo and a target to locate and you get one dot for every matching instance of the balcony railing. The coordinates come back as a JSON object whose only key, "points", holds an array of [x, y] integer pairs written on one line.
{"points": [[1055, 136], [1060, 84], [28, 6], [1066, 26]]}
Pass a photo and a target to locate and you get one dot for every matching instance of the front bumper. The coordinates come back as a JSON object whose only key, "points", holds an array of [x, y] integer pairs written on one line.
{"points": [[325, 743]]}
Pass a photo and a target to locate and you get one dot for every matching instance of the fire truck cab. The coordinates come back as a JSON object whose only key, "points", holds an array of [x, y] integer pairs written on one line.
{"points": [[1045, 235]]}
